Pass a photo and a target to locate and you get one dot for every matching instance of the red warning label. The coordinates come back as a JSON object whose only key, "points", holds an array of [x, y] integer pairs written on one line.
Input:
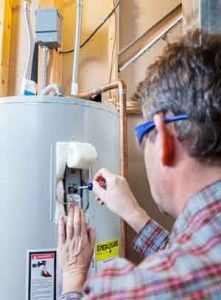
{"points": [[41, 275], [43, 256]]}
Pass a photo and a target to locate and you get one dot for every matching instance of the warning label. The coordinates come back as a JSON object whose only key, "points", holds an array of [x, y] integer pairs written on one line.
{"points": [[107, 249], [41, 275]]}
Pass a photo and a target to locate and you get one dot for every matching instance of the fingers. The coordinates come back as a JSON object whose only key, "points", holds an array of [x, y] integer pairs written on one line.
{"points": [[91, 236], [61, 231], [83, 224], [70, 222], [103, 173], [77, 221], [99, 191], [76, 224], [103, 181]]}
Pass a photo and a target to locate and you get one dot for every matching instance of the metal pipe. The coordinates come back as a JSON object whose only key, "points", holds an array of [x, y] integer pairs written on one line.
{"points": [[44, 68], [74, 84], [150, 45], [122, 91]]}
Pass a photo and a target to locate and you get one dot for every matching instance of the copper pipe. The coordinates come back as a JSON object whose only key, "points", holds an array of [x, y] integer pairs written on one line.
{"points": [[122, 89], [134, 108]]}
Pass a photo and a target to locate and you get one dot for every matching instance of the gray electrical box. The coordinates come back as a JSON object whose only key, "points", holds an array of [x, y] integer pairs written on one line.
{"points": [[48, 27]]}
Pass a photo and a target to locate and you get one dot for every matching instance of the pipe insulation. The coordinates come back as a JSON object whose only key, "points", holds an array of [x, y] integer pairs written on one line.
{"points": [[81, 155], [52, 88], [74, 85]]}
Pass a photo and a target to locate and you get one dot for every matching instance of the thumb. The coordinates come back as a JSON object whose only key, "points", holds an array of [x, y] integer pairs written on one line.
{"points": [[91, 236]]}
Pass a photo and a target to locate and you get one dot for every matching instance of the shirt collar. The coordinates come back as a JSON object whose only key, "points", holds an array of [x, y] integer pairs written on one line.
{"points": [[198, 203]]}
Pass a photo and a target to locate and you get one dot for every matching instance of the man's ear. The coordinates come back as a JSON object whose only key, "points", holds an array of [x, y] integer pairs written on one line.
{"points": [[166, 140]]}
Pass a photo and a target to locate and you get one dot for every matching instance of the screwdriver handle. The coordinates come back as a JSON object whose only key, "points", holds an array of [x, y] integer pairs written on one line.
{"points": [[90, 186]]}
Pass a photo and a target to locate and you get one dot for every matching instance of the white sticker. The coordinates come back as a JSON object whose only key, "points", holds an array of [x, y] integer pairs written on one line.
{"points": [[41, 274]]}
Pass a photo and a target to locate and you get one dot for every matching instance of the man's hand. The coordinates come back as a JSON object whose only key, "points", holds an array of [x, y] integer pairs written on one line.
{"points": [[117, 196], [75, 249]]}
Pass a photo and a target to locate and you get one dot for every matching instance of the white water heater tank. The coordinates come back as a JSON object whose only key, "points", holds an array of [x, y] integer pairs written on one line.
{"points": [[30, 128]]}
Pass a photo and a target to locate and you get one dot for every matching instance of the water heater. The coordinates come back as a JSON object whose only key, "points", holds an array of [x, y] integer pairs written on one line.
{"points": [[30, 130]]}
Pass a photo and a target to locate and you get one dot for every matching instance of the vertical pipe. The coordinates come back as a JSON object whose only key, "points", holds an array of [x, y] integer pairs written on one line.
{"points": [[28, 86], [74, 84]]}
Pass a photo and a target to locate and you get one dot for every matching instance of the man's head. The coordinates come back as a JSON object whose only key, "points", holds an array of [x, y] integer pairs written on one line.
{"points": [[185, 80]]}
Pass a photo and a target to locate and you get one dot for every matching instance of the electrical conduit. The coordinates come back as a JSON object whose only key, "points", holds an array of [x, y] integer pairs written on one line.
{"points": [[44, 68], [74, 85], [28, 86]]}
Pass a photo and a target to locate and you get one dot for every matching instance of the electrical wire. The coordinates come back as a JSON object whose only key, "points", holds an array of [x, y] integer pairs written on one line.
{"points": [[95, 31]]}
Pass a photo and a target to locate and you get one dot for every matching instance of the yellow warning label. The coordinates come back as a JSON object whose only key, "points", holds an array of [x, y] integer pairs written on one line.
{"points": [[107, 249]]}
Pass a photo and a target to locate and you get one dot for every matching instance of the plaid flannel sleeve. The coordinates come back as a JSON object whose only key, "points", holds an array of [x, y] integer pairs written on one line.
{"points": [[123, 280], [151, 239]]}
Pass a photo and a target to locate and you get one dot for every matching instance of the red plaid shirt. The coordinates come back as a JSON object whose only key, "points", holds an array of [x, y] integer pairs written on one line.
{"points": [[184, 265]]}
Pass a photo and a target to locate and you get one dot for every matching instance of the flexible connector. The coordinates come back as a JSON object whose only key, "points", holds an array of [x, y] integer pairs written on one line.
{"points": [[53, 87]]}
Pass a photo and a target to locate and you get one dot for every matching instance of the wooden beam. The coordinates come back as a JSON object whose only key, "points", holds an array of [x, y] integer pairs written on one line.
{"points": [[128, 52], [5, 41], [113, 45], [15, 3], [113, 49]]}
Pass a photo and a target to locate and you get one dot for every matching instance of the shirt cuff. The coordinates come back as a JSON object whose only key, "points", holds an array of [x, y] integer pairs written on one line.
{"points": [[72, 296], [151, 239]]}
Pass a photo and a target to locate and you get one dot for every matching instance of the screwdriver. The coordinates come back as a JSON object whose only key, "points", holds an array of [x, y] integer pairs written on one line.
{"points": [[89, 186]]}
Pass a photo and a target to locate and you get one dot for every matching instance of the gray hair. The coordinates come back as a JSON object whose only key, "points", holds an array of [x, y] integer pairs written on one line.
{"points": [[187, 79]]}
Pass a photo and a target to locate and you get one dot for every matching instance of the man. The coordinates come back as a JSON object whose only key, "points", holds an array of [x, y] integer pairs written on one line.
{"points": [[181, 142]]}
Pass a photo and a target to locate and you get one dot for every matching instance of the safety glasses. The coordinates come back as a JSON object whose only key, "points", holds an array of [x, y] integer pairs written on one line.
{"points": [[146, 127]]}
